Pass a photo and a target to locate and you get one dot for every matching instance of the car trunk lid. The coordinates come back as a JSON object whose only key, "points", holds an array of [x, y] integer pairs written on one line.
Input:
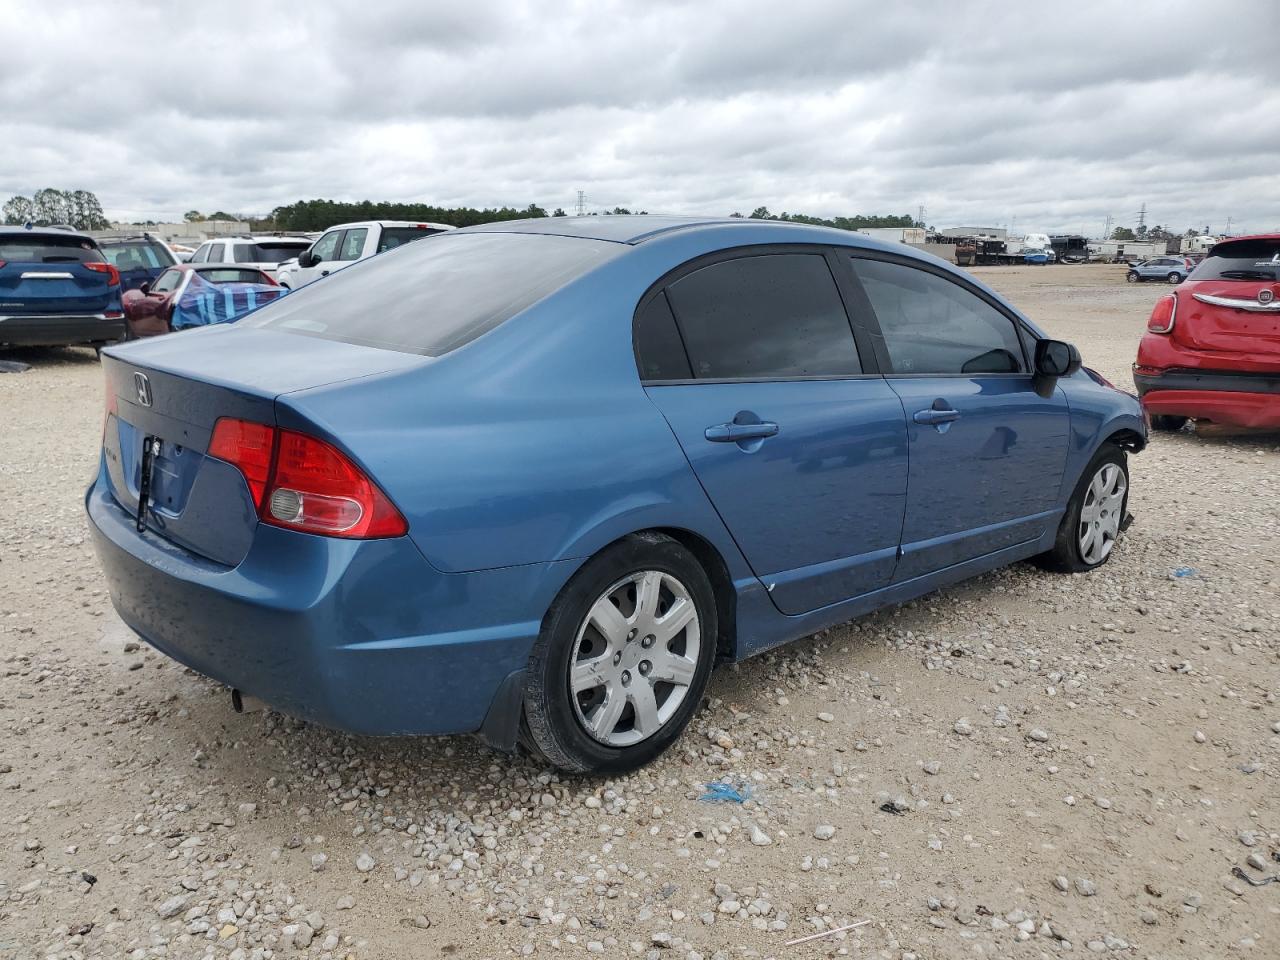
{"points": [[32, 289], [163, 398], [1230, 316]]}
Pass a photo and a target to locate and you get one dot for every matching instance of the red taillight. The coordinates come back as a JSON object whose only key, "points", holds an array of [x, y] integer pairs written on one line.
{"points": [[301, 483], [113, 275], [248, 447], [2, 263], [1162, 317]]}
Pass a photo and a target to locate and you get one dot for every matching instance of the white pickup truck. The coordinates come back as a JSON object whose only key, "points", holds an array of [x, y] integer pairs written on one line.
{"points": [[348, 243]]}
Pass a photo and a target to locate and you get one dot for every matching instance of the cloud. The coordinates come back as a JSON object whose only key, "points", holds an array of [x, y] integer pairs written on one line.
{"points": [[982, 112]]}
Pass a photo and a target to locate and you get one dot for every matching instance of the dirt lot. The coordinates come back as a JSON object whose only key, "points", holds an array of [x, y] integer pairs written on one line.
{"points": [[1066, 764]]}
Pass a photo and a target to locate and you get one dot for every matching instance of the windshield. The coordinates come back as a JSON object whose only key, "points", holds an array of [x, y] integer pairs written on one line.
{"points": [[431, 298], [1241, 260], [44, 248], [136, 255]]}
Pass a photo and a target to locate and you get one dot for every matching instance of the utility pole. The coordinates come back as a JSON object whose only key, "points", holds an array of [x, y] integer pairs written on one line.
{"points": [[1106, 231], [1142, 217], [920, 214], [1228, 226], [582, 203]]}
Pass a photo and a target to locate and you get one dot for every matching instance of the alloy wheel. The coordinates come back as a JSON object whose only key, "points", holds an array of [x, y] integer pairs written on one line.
{"points": [[635, 657], [1101, 513]]}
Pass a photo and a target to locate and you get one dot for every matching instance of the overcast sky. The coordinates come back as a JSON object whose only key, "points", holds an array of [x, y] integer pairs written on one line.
{"points": [[1043, 116]]}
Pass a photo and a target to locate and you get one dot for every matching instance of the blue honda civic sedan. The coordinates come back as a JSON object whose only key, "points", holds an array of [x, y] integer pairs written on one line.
{"points": [[532, 480]]}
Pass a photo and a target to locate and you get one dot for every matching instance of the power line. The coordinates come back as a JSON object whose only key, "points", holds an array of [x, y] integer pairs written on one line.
{"points": [[582, 203]]}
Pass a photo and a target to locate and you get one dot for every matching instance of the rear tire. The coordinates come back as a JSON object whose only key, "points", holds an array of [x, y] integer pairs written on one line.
{"points": [[1095, 515], [1167, 421], [1174, 277], [1133, 276], [597, 698]]}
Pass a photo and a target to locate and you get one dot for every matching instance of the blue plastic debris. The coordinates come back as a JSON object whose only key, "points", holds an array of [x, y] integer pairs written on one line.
{"points": [[1185, 572], [721, 792]]}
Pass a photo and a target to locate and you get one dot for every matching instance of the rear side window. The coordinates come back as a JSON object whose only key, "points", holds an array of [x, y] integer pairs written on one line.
{"points": [[932, 325], [1241, 260], [764, 317], [393, 237], [431, 298], [43, 248], [659, 349], [217, 252]]}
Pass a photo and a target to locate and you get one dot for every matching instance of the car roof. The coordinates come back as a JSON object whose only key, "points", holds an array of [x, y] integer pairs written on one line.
{"points": [[637, 228], [390, 223], [24, 231]]}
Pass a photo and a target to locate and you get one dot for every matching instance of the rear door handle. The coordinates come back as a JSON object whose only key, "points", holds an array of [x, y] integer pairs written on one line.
{"points": [[737, 432], [934, 416]]}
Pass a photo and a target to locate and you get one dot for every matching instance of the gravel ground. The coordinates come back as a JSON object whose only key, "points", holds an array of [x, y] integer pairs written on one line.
{"points": [[1023, 766]]}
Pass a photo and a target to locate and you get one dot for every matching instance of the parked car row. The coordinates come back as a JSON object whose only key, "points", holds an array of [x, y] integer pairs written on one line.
{"points": [[143, 293]]}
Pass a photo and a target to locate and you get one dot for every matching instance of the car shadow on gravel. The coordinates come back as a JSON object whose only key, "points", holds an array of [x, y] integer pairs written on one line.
{"points": [[45, 357]]}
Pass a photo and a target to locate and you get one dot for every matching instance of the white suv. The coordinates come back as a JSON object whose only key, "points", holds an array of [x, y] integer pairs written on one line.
{"points": [[263, 252], [347, 243]]}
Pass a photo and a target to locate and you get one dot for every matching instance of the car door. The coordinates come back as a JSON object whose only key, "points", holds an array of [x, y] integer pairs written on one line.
{"points": [[987, 452], [802, 450]]}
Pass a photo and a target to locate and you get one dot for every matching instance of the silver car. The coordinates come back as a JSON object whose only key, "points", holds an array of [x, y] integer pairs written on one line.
{"points": [[1168, 269]]}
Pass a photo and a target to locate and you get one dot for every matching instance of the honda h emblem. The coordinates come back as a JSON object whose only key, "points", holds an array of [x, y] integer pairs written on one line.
{"points": [[142, 386]]}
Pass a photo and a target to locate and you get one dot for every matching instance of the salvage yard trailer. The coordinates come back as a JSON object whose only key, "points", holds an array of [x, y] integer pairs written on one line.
{"points": [[984, 252], [1070, 247], [1118, 250]]}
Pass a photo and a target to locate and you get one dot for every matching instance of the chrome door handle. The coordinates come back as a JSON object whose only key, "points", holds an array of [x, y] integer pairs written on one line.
{"points": [[934, 417], [737, 432]]}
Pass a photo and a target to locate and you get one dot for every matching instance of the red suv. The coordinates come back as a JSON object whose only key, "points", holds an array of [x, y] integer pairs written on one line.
{"points": [[1212, 347]]}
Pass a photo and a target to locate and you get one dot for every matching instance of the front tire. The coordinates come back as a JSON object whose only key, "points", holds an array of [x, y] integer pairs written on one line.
{"points": [[623, 658], [1132, 276], [1174, 277], [1095, 515]]}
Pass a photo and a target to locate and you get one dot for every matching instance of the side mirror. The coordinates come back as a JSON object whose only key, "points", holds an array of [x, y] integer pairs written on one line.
{"points": [[145, 288], [307, 259], [1054, 359]]}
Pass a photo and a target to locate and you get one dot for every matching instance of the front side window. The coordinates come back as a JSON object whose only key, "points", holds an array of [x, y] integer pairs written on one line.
{"points": [[353, 244], [932, 325], [764, 317], [326, 248], [216, 252]]}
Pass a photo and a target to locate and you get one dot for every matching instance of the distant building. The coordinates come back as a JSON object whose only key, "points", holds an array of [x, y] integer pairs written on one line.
{"points": [[194, 232], [991, 233]]}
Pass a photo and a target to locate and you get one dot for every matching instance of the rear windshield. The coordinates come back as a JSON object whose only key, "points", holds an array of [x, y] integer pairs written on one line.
{"points": [[397, 236], [431, 298], [268, 251], [1241, 260], [137, 255], [232, 275], [43, 248]]}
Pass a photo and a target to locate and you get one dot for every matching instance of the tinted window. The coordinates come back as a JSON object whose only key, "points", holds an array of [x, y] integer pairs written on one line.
{"points": [[1241, 260], [431, 298], [217, 252], [201, 254], [41, 248], [777, 315], [167, 281], [395, 236], [659, 351], [136, 255], [353, 244], [932, 325], [268, 251]]}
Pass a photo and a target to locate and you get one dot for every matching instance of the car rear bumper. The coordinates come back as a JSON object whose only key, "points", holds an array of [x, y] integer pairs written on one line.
{"points": [[363, 636], [57, 330], [1238, 399]]}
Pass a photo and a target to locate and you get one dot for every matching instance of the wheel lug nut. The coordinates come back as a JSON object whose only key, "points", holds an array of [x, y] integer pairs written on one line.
{"points": [[647, 642], [626, 677], [631, 635], [645, 667]]}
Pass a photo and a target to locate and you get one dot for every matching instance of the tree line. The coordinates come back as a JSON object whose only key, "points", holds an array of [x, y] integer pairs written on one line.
{"points": [[49, 207], [856, 222]]}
